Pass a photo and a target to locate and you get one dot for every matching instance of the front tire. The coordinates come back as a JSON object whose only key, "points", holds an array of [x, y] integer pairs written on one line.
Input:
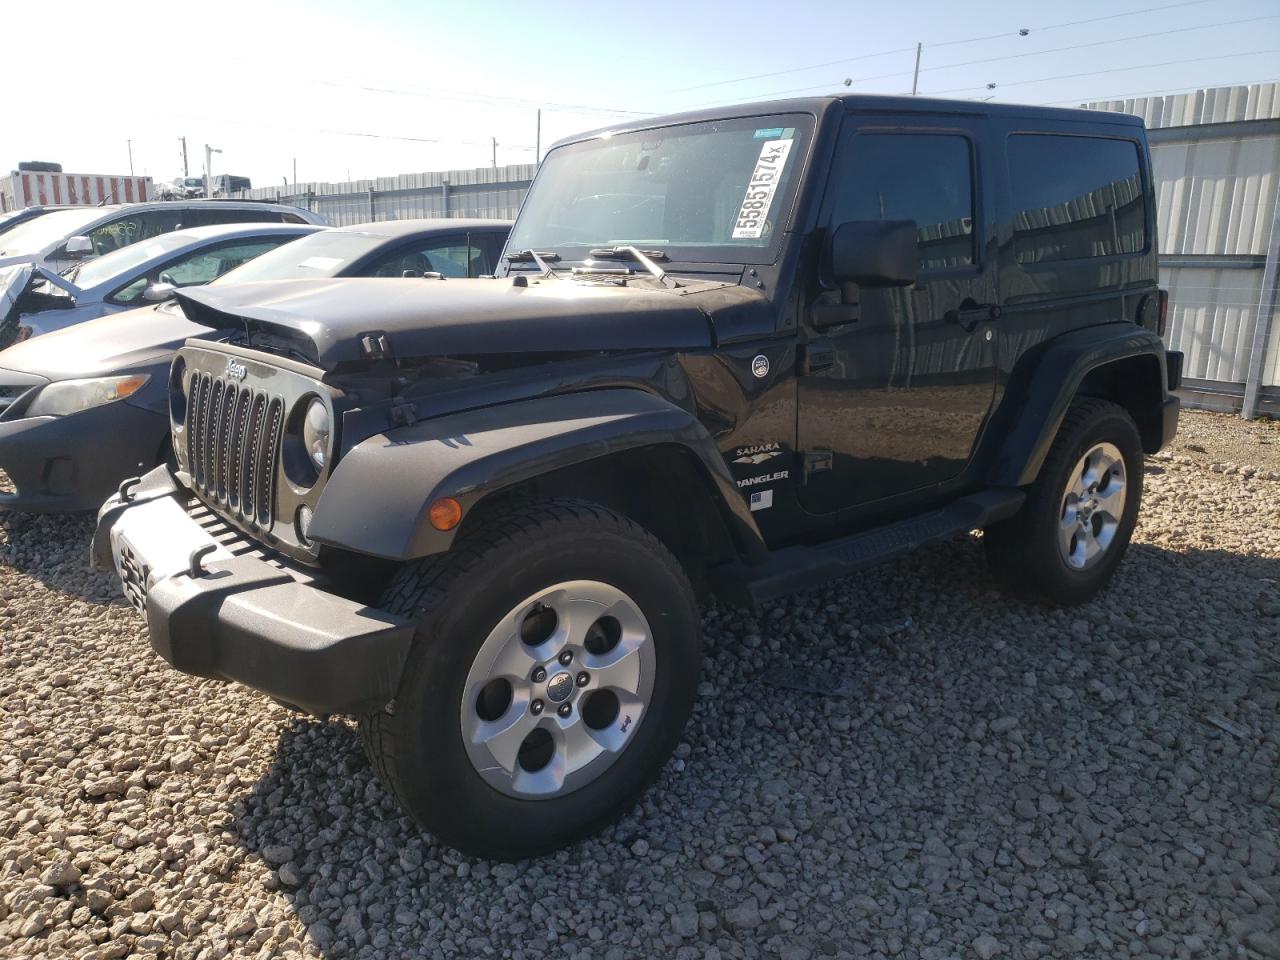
{"points": [[553, 670], [1066, 542]]}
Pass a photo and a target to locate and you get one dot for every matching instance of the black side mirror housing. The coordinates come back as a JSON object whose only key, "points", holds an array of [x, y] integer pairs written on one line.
{"points": [[875, 253]]}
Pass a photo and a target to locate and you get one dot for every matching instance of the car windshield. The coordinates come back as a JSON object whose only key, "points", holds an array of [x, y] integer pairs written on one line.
{"points": [[711, 191], [324, 254], [35, 235], [117, 263]]}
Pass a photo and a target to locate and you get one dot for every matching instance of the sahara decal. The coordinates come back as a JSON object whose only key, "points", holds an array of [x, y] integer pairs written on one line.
{"points": [[757, 453]]}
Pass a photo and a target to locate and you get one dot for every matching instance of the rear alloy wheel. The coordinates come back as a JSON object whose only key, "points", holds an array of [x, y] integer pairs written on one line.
{"points": [[554, 667], [1092, 507], [1065, 543]]}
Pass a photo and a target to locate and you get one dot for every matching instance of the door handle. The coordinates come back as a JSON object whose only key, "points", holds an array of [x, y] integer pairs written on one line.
{"points": [[968, 316]]}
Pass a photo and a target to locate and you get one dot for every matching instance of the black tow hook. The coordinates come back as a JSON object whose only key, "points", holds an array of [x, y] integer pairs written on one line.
{"points": [[196, 561], [126, 489]]}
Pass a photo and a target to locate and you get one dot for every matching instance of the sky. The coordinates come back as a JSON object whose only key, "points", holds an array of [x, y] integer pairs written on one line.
{"points": [[357, 90]]}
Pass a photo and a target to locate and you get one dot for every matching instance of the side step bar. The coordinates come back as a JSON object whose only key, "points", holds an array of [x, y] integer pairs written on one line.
{"points": [[792, 569]]}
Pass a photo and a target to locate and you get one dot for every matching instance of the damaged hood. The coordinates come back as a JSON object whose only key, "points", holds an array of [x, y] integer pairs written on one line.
{"points": [[328, 319], [119, 342]]}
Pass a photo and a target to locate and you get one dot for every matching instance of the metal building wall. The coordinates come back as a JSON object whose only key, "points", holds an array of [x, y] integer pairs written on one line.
{"points": [[1216, 164], [494, 192]]}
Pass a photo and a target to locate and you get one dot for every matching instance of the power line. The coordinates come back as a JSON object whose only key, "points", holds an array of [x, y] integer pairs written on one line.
{"points": [[445, 93], [944, 43], [1014, 56], [338, 133], [1092, 73]]}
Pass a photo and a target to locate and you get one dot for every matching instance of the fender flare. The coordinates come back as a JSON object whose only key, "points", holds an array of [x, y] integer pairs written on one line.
{"points": [[377, 498], [1042, 387]]}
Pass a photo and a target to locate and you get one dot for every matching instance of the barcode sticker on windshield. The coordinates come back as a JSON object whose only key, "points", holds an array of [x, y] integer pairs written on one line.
{"points": [[760, 189]]}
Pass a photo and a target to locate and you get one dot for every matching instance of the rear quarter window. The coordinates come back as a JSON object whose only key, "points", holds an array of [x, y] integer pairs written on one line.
{"points": [[1075, 197]]}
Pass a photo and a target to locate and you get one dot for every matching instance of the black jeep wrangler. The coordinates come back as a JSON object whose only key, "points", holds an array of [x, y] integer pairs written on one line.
{"points": [[739, 351]]}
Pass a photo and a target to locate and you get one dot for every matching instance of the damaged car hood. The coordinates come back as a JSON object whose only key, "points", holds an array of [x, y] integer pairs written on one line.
{"points": [[468, 318]]}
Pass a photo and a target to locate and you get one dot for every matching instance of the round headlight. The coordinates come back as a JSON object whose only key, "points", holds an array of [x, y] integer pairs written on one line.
{"points": [[178, 392], [315, 433]]}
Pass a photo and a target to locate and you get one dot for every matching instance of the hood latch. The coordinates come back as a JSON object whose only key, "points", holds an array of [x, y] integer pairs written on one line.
{"points": [[375, 346]]}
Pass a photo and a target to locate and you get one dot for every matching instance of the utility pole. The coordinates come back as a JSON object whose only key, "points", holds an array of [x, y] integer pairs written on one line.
{"points": [[915, 77], [185, 172], [495, 152], [295, 173], [537, 140], [208, 169], [130, 145]]}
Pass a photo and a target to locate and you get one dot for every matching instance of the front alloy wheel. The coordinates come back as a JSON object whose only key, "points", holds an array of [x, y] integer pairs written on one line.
{"points": [[558, 689], [552, 672]]}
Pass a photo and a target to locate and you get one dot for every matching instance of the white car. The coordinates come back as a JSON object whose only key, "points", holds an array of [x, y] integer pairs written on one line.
{"points": [[64, 238]]}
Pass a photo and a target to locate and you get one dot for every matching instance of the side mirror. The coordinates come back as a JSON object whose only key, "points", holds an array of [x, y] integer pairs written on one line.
{"points": [[79, 247], [158, 292], [875, 253]]}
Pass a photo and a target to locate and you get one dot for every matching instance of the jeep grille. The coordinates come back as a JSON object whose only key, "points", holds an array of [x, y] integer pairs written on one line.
{"points": [[233, 444]]}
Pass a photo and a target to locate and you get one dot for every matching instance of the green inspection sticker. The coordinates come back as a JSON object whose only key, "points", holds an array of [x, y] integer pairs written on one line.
{"points": [[771, 133]]}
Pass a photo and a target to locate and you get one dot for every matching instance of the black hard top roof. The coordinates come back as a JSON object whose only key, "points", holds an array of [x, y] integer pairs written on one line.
{"points": [[869, 103]]}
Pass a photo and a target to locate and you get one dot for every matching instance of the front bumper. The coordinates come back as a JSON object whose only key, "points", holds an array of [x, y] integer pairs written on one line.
{"points": [[63, 464], [238, 617]]}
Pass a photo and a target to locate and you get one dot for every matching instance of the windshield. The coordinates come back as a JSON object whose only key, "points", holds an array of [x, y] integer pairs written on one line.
{"points": [[713, 191], [117, 263], [324, 254], [35, 235]]}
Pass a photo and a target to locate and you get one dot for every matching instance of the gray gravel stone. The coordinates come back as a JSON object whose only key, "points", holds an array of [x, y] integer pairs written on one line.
{"points": [[957, 786]]}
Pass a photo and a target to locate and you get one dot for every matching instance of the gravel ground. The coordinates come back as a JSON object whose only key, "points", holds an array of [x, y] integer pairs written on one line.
{"points": [[905, 764]]}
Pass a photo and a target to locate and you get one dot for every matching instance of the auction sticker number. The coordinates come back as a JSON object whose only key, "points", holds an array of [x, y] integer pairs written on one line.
{"points": [[760, 189]]}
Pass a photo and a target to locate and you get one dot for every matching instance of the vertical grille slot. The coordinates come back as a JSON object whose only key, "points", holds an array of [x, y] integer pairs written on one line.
{"points": [[235, 438], [272, 424], [233, 446]]}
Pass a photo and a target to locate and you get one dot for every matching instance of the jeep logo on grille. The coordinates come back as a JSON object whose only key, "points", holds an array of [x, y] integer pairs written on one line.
{"points": [[236, 371]]}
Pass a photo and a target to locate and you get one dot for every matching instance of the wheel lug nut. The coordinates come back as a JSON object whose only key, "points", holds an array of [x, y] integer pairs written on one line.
{"points": [[583, 679], [565, 709], [539, 675], [536, 707], [566, 658]]}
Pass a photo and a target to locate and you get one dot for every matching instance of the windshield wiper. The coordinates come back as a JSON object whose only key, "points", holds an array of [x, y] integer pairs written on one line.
{"points": [[540, 257], [643, 257]]}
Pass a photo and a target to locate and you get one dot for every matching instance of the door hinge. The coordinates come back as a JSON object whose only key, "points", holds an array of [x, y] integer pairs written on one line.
{"points": [[815, 461], [816, 356]]}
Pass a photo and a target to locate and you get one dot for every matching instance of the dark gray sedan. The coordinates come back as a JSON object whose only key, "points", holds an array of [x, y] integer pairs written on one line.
{"points": [[84, 408]]}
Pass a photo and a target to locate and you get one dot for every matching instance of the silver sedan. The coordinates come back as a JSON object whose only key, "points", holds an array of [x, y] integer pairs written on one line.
{"points": [[147, 272]]}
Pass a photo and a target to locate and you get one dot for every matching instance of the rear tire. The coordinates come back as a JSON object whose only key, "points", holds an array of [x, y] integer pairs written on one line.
{"points": [[1065, 543], [463, 746]]}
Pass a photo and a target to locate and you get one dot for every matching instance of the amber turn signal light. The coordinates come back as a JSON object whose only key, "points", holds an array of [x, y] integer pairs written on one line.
{"points": [[445, 513]]}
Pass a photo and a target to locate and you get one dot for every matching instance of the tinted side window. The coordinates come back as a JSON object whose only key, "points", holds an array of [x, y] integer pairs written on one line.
{"points": [[131, 228], [927, 178], [208, 216], [448, 256], [1075, 197], [200, 267]]}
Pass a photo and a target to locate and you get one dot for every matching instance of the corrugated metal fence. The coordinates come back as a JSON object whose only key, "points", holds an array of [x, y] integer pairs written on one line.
{"points": [[1216, 165], [482, 192]]}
